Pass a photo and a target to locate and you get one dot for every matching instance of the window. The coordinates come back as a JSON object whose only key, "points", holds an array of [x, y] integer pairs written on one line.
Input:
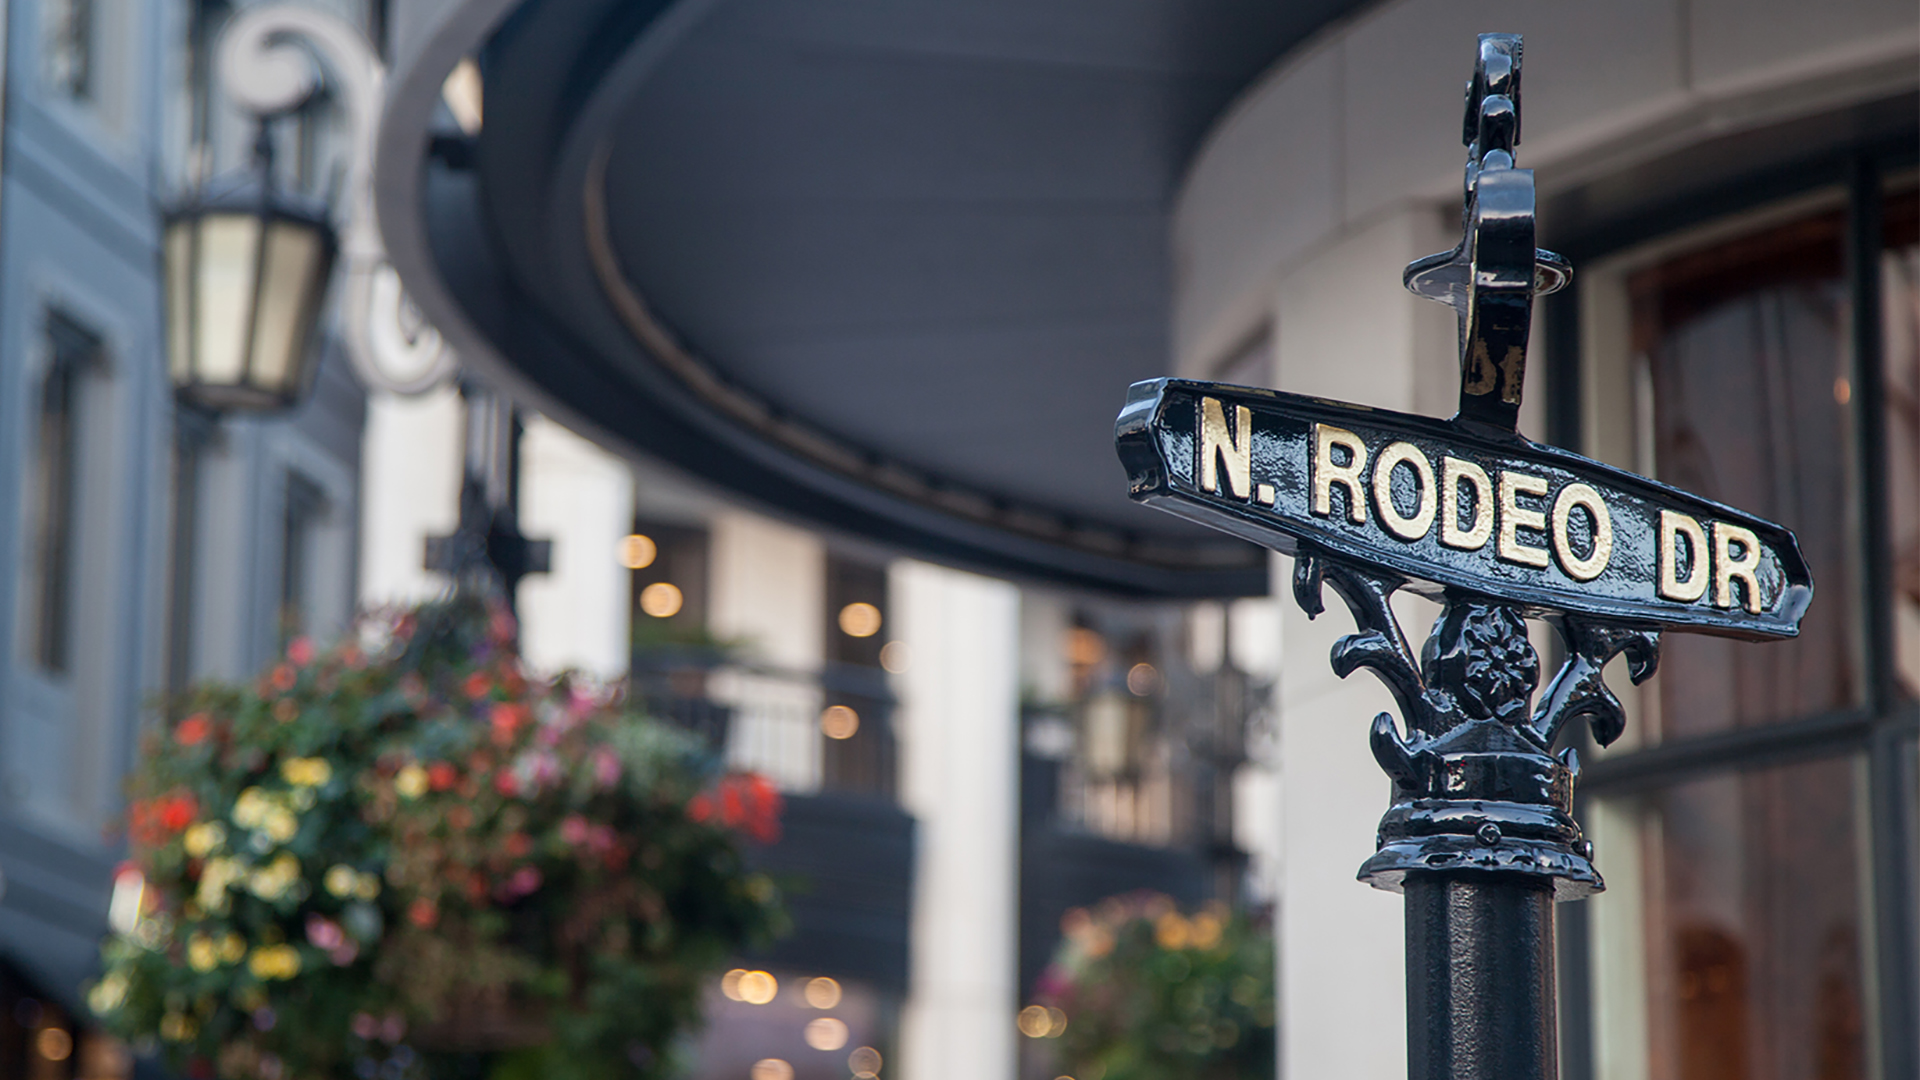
{"points": [[305, 510], [1758, 836], [69, 54], [73, 359]]}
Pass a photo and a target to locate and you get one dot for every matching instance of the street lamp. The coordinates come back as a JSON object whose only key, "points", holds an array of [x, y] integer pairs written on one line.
{"points": [[246, 269]]}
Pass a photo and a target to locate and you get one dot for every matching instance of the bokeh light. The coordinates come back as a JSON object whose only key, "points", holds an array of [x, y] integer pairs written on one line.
{"points": [[1034, 1022], [823, 993], [771, 1069], [859, 620], [826, 1033], [637, 552], [864, 1063], [54, 1044], [758, 987], [839, 722], [896, 657], [1142, 679], [661, 600], [1085, 647]]}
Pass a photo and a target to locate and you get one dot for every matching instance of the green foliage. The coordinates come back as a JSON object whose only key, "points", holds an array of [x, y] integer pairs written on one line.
{"points": [[1144, 992], [408, 856]]}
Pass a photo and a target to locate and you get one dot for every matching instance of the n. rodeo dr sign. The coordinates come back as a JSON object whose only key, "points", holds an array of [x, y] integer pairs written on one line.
{"points": [[1446, 508]]}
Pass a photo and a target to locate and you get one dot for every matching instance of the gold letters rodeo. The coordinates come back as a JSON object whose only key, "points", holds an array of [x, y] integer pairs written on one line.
{"points": [[1496, 527]]}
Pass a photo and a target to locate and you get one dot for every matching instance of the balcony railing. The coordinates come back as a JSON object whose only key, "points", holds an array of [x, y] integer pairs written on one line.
{"points": [[809, 732]]}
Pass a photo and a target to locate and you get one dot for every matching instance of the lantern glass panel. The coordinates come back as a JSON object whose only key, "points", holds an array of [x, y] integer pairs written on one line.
{"points": [[179, 267], [290, 271], [223, 301]]}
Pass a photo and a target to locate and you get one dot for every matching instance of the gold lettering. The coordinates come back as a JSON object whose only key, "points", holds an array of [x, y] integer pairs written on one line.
{"points": [[1326, 473], [1218, 445], [1406, 528], [1590, 567], [1673, 526], [1725, 569], [1452, 471], [1514, 518]]}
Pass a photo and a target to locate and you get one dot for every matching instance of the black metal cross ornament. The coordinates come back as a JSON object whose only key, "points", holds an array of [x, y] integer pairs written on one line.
{"points": [[1479, 833]]}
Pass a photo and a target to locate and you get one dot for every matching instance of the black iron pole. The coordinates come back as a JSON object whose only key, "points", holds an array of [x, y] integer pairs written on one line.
{"points": [[1479, 979]]}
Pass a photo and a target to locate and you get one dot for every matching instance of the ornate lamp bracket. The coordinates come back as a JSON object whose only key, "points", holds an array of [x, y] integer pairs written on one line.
{"points": [[272, 59]]}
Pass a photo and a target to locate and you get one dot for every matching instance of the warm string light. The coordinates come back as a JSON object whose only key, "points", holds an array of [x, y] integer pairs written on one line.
{"points": [[839, 722], [638, 551], [662, 600], [861, 620]]}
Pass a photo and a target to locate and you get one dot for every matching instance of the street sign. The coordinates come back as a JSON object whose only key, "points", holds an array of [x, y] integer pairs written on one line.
{"points": [[1447, 506], [1480, 833]]}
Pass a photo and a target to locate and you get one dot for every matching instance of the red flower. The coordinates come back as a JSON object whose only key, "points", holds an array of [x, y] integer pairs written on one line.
{"points": [[423, 913], [177, 811], [478, 685], [506, 783], [442, 775], [699, 808], [283, 678], [507, 718], [517, 845], [193, 730]]}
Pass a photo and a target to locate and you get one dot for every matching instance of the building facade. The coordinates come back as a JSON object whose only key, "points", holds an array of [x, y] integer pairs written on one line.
{"points": [[146, 545], [1735, 185]]}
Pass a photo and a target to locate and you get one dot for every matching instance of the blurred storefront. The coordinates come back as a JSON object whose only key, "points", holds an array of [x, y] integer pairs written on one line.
{"points": [[888, 273]]}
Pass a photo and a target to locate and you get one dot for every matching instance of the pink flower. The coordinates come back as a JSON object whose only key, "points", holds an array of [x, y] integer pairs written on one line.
{"points": [[573, 829], [520, 883], [300, 651], [606, 767], [324, 933]]}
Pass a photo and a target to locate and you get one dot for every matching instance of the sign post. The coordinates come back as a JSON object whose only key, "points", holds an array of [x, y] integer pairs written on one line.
{"points": [[1479, 835]]}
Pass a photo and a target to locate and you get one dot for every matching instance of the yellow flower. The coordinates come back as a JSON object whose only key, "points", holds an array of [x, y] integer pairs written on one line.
{"points": [[306, 771], [1171, 931], [340, 880], [280, 825], [202, 955], [272, 881], [274, 962], [177, 1027], [108, 994], [233, 948], [411, 782], [215, 877], [250, 809], [367, 887], [204, 838], [1206, 930]]}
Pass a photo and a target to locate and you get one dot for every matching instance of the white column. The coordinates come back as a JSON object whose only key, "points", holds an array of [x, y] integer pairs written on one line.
{"points": [[581, 498], [1341, 943], [959, 734], [409, 490]]}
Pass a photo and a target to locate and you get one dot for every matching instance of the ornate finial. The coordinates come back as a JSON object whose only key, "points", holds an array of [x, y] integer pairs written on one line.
{"points": [[1491, 278]]}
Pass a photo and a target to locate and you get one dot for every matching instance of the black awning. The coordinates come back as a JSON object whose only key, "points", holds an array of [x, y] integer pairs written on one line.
{"points": [[884, 267]]}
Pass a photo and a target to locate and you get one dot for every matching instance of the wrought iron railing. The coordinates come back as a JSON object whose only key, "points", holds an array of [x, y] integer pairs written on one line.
{"points": [[808, 731]]}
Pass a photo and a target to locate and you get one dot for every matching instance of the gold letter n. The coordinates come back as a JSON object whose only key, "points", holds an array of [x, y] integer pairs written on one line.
{"points": [[1218, 445]]}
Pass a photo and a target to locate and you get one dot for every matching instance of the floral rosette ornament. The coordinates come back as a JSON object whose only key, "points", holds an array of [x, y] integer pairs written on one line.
{"points": [[409, 858], [1141, 991]]}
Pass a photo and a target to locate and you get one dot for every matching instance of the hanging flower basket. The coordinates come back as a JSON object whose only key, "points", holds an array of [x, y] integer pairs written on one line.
{"points": [[1141, 991], [410, 858]]}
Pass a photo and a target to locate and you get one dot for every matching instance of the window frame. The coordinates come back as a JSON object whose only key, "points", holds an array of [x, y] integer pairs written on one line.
{"points": [[1884, 729]]}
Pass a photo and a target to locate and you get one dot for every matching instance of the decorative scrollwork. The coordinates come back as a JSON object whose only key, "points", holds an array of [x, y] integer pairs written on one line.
{"points": [[274, 58]]}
